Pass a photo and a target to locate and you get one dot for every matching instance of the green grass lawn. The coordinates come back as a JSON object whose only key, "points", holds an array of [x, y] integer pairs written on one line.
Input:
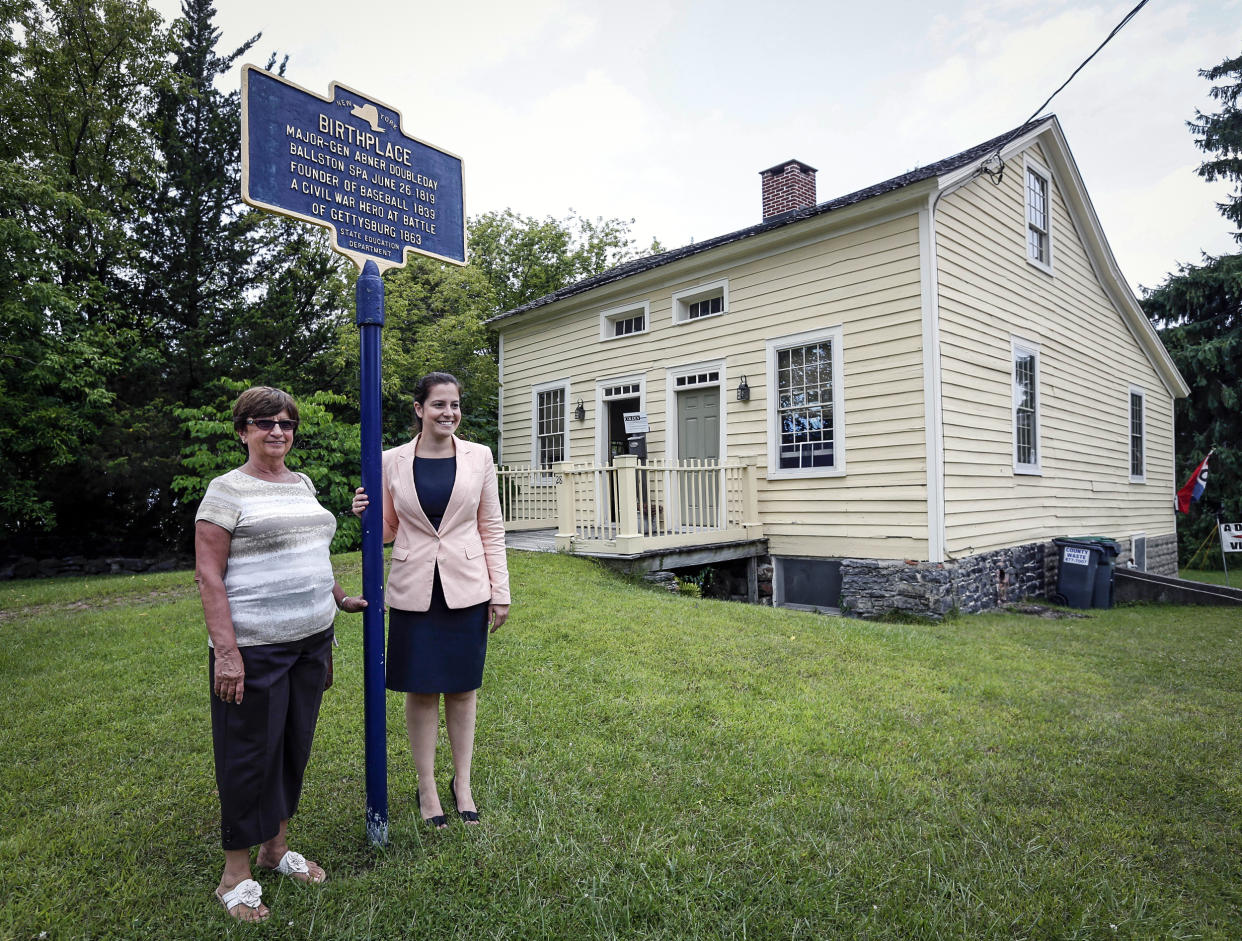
{"points": [[1233, 579], [652, 766]]}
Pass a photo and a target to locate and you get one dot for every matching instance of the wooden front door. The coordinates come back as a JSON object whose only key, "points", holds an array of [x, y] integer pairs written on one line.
{"points": [[698, 443]]}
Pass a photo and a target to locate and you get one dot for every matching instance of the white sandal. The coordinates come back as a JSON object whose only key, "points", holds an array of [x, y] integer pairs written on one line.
{"points": [[248, 893], [294, 864]]}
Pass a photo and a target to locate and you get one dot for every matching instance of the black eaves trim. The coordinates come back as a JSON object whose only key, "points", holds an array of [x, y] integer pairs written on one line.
{"points": [[638, 265]]}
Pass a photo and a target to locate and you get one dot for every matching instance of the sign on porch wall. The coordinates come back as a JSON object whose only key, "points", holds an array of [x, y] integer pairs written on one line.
{"points": [[635, 423]]}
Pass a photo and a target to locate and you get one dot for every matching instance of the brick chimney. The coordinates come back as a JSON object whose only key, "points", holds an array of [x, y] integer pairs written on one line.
{"points": [[786, 186]]}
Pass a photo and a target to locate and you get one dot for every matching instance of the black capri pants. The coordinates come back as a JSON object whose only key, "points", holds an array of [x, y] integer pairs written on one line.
{"points": [[262, 744]]}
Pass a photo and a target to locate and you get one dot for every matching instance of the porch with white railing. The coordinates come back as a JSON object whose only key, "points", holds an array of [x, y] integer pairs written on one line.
{"points": [[629, 508]]}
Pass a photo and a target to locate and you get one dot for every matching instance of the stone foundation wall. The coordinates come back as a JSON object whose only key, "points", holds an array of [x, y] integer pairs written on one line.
{"points": [[730, 581], [27, 567], [871, 587], [1162, 555]]}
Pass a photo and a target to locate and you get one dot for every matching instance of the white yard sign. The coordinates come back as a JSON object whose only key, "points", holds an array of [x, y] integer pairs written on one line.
{"points": [[635, 423], [1231, 537]]}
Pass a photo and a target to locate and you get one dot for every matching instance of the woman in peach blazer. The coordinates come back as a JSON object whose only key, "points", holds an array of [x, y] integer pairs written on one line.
{"points": [[448, 584]]}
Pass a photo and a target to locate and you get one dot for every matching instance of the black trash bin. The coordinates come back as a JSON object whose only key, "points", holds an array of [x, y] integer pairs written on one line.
{"points": [[1076, 572], [1102, 593]]}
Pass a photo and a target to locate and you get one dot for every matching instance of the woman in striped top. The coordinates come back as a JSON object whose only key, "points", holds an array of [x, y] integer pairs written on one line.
{"points": [[261, 543]]}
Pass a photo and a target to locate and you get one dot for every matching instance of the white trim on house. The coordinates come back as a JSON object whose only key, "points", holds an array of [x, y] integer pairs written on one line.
{"points": [[608, 319], [1017, 346], [1141, 476], [671, 389], [535, 390], [933, 405], [1032, 167], [1068, 182], [835, 336], [601, 400], [500, 397], [700, 292]]}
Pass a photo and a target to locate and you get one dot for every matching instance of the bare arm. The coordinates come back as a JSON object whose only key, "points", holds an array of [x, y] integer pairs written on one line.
{"points": [[211, 561]]}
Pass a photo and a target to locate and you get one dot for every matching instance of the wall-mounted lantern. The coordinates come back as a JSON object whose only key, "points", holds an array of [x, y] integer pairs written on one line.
{"points": [[580, 411], [743, 391]]}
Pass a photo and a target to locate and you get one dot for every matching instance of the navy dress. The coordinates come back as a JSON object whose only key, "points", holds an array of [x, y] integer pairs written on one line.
{"points": [[440, 650]]}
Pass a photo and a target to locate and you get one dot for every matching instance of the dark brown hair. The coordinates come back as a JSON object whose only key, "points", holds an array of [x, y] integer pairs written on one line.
{"points": [[423, 389], [261, 402]]}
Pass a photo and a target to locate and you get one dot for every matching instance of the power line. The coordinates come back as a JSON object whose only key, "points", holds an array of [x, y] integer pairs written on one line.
{"points": [[1107, 39]]}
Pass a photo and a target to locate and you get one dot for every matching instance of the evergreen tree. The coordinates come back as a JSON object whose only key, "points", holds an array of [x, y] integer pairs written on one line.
{"points": [[198, 239], [1198, 311], [1220, 135]]}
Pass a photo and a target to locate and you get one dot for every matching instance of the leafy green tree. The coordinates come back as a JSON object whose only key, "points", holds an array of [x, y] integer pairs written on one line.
{"points": [[524, 258], [325, 449], [53, 383], [289, 334], [434, 316], [74, 152]]}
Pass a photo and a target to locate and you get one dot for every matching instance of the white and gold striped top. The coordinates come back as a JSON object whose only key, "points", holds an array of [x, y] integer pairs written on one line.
{"points": [[279, 578]]}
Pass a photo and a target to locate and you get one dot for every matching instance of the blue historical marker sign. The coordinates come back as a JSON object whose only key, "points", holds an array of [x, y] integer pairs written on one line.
{"points": [[343, 162]]}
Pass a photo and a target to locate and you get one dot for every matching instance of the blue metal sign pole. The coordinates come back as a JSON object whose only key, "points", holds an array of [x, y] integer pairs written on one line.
{"points": [[345, 163], [370, 320]]}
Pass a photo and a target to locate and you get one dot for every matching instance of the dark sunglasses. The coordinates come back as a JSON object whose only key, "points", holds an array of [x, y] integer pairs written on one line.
{"points": [[267, 424]]}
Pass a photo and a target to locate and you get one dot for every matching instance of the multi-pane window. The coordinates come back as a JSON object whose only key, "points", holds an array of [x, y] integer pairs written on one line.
{"points": [[703, 300], [804, 406], [1038, 248], [623, 321], [1137, 471], [550, 426], [705, 307], [1025, 408], [628, 325]]}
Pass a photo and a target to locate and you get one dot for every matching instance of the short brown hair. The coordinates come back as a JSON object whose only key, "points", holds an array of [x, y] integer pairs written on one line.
{"points": [[260, 402]]}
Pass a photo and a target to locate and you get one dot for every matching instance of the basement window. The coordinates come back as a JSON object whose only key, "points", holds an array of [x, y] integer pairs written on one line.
{"points": [[807, 584]]}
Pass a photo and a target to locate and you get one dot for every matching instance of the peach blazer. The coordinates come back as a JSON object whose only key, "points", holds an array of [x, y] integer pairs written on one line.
{"points": [[469, 547]]}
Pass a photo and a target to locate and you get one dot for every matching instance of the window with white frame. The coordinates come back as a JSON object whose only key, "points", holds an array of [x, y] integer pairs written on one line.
{"points": [[1138, 467], [624, 321], [1038, 217], [806, 434], [704, 300], [1026, 442], [551, 429]]}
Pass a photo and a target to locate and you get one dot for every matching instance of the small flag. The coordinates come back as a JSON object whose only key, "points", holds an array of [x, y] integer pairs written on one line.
{"points": [[1193, 489]]}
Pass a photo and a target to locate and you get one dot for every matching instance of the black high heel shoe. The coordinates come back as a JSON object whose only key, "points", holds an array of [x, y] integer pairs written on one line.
{"points": [[470, 816], [440, 821]]}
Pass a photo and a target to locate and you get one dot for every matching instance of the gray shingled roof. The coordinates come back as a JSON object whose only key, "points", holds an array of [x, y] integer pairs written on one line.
{"points": [[948, 165]]}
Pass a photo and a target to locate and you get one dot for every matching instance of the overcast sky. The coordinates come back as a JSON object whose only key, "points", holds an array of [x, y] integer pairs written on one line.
{"points": [[665, 112]]}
